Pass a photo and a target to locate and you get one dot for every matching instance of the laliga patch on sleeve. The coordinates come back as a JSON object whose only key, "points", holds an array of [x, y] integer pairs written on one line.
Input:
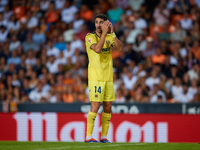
{"points": [[90, 40]]}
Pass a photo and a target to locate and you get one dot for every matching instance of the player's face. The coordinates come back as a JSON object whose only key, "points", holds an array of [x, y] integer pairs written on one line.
{"points": [[98, 23]]}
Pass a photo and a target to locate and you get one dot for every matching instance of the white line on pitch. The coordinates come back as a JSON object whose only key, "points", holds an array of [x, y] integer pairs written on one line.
{"points": [[91, 146]]}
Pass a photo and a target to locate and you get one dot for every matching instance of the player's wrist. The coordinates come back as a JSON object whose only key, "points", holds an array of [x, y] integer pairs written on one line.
{"points": [[113, 35], [104, 33]]}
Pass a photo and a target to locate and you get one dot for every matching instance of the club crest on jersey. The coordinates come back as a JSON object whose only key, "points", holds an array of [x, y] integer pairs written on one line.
{"points": [[96, 95], [108, 42], [90, 40]]}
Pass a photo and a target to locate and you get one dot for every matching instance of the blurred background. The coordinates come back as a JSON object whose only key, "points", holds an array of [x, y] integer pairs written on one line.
{"points": [[43, 57]]}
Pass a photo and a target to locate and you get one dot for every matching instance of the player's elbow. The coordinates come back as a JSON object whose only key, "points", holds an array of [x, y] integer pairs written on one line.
{"points": [[97, 50]]}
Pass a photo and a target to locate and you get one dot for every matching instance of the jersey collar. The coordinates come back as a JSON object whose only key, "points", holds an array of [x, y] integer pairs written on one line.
{"points": [[96, 33]]}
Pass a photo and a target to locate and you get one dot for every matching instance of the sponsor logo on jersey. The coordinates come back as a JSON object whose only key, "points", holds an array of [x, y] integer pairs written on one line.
{"points": [[106, 49]]}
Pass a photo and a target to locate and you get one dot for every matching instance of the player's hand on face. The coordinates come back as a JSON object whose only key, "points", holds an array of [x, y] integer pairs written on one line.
{"points": [[111, 27], [105, 26]]}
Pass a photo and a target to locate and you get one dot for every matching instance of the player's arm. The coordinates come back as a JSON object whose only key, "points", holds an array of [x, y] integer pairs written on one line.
{"points": [[117, 43], [98, 47]]}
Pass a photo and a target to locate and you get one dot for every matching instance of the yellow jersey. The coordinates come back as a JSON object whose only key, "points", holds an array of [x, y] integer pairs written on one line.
{"points": [[100, 67]]}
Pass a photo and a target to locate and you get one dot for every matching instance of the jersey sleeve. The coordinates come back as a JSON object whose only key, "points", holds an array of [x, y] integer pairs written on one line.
{"points": [[90, 39]]}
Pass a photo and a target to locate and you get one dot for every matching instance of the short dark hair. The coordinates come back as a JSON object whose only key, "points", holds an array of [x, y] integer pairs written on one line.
{"points": [[102, 16]]}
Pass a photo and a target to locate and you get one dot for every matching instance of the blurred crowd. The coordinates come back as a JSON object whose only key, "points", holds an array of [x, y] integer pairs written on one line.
{"points": [[43, 56]]}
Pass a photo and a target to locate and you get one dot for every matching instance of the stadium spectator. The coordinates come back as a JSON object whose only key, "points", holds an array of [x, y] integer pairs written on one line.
{"points": [[3, 22], [77, 69], [76, 43], [61, 59], [195, 49], [118, 30], [136, 4], [31, 20], [76, 57], [196, 98], [181, 6], [152, 80], [29, 44], [156, 41], [156, 95], [194, 72], [78, 22], [69, 33], [114, 13], [3, 33], [119, 96], [161, 14], [59, 4], [25, 90], [52, 95], [51, 50], [33, 80], [150, 49], [139, 94], [186, 22], [173, 60], [83, 32], [140, 43], [67, 14], [13, 24], [140, 23], [60, 44], [7, 12], [51, 15], [85, 13], [158, 58], [37, 94], [38, 37], [131, 33], [14, 44], [44, 5], [45, 84], [129, 80], [68, 96], [52, 65], [22, 32], [193, 88], [177, 88], [179, 34], [3, 66], [165, 35], [123, 4], [185, 96], [59, 86], [162, 85], [30, 58], [68, 52], [14, 58]]}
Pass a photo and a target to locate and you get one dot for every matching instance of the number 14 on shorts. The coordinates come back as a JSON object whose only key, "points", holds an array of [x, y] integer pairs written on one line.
{"points": [[97, 89]]}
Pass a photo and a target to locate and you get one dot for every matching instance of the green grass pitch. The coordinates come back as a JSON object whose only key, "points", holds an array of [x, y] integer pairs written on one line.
{"points": [[96, 146]]}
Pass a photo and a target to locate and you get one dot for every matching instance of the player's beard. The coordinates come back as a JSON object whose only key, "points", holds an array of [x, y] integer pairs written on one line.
{"points": [[98, 29]]}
